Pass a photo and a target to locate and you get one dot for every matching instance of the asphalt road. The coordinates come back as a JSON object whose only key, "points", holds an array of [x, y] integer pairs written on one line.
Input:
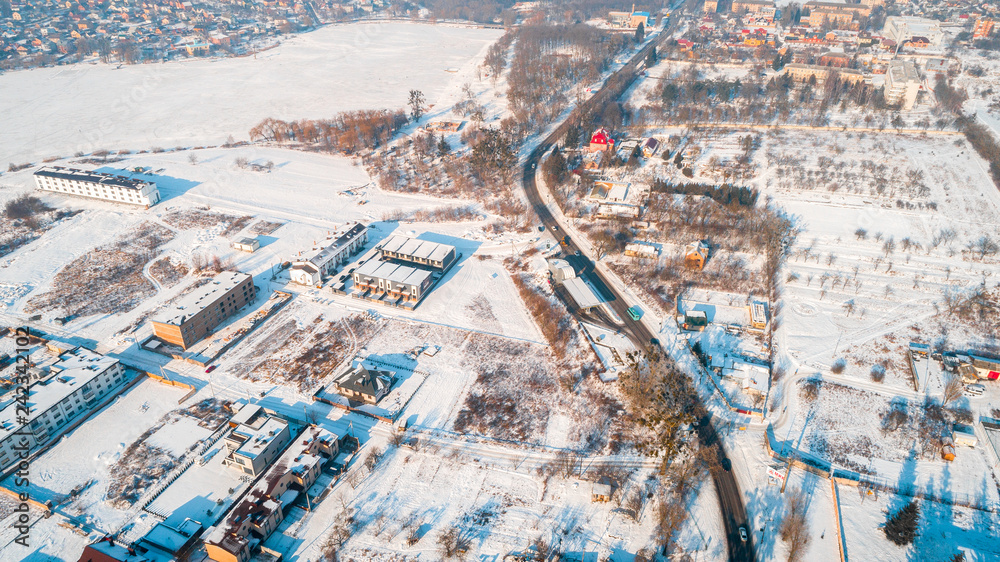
{"points": [[727, 489]]}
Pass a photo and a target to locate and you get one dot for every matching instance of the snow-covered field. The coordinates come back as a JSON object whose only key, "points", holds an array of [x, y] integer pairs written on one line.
{"points": [[86, 107]]}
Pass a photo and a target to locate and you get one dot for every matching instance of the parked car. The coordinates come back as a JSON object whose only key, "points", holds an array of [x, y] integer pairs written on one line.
{"points": [[210, 368]]}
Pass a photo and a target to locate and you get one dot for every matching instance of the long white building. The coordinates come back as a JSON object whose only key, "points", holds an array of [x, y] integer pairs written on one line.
{"points": [[309, 268], [903, 28], [74, 385], [97, 185]]}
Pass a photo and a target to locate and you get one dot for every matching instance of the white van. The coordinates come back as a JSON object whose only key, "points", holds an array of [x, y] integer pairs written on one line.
{"points": [[975, 389]]}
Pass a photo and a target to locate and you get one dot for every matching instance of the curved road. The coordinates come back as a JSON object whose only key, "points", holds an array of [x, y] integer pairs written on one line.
{"points": [[728, 492]]}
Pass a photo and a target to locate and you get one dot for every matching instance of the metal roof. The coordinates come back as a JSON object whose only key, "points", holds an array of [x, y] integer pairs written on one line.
{"points": [[581, 292], [59, 172], [202, 298]]}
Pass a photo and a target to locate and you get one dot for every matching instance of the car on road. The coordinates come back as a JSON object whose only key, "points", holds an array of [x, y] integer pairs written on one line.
{"points": [[634, 312], [743, 534], [210, 368]]}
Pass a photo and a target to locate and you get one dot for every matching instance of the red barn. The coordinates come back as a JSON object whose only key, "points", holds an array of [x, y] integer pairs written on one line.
{"points": [[602, 140]]}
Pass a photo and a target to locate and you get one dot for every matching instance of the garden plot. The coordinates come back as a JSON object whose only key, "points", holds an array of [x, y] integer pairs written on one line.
{"points": [[943, 529], [895, 440], [300, 346], [78, 472], [891, 247], [161, 449], [204, 492], [410, 499], [203, 219], [106, 280]]}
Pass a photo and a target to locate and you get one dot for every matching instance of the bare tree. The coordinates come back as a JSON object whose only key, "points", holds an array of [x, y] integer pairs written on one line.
{"points": [[795, 526], [952, 389]]}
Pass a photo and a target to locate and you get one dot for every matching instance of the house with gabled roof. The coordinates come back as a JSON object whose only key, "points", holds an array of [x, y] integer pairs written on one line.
{"points": [[364, 384]]}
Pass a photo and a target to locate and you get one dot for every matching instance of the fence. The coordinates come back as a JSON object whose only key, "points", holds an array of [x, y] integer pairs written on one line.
{"points": [[826, 469], [163, 484]]}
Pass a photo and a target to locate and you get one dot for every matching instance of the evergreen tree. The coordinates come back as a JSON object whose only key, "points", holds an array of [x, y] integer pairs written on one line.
{"points": [[902, 526], [651, 59], [572, 137], [443, 146], [416, 103], [555, 168], [640, 33]]}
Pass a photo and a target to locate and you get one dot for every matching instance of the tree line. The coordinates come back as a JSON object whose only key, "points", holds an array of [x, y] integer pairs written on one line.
{"points": [[348, 132]]}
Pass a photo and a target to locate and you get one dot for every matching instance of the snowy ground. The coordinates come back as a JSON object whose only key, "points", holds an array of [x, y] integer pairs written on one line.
{"points": [[86, 107], [82, 459]]}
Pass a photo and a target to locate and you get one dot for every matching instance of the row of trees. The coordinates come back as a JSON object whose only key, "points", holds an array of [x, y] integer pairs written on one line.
{"points": [[981, 139], [726, 194], [548, 59], [348, 132]]}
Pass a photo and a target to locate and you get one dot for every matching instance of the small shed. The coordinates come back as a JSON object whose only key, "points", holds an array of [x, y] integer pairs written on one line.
{"points": [[249, 245], [695, 320], [649, 147], [964, 435], [947, 449], [601, 491]]}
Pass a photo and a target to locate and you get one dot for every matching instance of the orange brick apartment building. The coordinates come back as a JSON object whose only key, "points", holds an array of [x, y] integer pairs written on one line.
{"points": [[196, 315]]}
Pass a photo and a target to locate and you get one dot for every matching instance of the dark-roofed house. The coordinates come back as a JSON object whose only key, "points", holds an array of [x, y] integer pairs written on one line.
{"points": [[363, 384]]}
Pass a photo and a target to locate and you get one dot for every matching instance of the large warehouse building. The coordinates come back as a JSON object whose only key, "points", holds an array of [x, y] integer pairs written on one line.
{"points": [[97, 185], [197, 314]]}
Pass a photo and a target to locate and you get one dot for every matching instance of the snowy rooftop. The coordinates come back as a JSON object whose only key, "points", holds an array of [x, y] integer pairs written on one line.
{"points": [[258, 437], [417, 248], [202, 298], [261, 500], [323, 254], [74, 369], [581, 292], [393, 272], [59, 172]]}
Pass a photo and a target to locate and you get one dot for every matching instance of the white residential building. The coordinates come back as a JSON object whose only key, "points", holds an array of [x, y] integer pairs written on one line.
{"points": [[256, 440], [902, 84], [74, 385], [903, 28], [310, 267], [97, 185]]}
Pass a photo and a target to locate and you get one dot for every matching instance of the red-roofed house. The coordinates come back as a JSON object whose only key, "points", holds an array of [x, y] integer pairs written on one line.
{"points": [[602, 140]]}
